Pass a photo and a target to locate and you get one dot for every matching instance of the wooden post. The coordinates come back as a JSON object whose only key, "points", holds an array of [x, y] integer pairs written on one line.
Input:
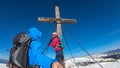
{"points": [[58, 22]]}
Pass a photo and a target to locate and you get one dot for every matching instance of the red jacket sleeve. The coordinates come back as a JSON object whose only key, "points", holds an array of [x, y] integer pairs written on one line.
{"points": [[54, 42]]}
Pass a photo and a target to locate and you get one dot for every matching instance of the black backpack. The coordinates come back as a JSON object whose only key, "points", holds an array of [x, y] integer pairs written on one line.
{"points": [[19, 53]]}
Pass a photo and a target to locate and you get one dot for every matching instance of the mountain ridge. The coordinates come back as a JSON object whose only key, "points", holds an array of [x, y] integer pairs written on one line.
{"points": [[3, 61], [113, 51]]}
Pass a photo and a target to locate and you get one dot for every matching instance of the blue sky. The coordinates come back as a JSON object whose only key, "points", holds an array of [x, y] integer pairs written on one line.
{"points": [[97, 27]]}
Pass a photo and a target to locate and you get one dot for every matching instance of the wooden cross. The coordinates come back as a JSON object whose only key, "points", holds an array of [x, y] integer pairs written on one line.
{"points": [[58, 21]]}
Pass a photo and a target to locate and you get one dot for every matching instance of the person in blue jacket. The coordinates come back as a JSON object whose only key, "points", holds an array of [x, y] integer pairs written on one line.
{"points": [[35, 53]]}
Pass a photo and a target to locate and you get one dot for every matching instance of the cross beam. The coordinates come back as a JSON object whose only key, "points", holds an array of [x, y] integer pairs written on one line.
{"points": [[58, 22], [63, 20]]}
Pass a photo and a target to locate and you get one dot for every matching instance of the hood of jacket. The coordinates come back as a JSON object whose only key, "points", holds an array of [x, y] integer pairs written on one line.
{"points": [[34, 33]]}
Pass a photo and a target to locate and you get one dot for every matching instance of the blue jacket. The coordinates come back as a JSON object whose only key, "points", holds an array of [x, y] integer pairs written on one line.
{"points": [[35, 52]]}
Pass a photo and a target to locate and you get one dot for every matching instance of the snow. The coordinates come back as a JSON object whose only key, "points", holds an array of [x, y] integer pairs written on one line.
{"points": [[3, 65], [104, 64], [88, 62]]}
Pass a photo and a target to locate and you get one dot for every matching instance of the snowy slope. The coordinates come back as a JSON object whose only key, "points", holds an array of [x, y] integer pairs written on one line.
{"points": [[104, 64], [88, 62], [3, 65]]}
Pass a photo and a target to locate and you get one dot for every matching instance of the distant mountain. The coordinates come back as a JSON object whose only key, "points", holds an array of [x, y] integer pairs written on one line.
{"points": [[3, 61], [115, 54], [113, 51]]}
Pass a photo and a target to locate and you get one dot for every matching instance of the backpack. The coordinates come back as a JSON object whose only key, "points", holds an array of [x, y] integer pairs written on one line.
{"points": [[61, 41], [19, 53]]}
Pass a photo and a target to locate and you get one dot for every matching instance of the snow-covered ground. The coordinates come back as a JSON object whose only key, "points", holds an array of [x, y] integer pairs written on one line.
{"points": [[88, 62], [3, 65], [104, 64]]}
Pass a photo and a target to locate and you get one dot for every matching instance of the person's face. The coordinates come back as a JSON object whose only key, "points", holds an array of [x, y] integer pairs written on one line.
{"points": [[53, 35]]}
